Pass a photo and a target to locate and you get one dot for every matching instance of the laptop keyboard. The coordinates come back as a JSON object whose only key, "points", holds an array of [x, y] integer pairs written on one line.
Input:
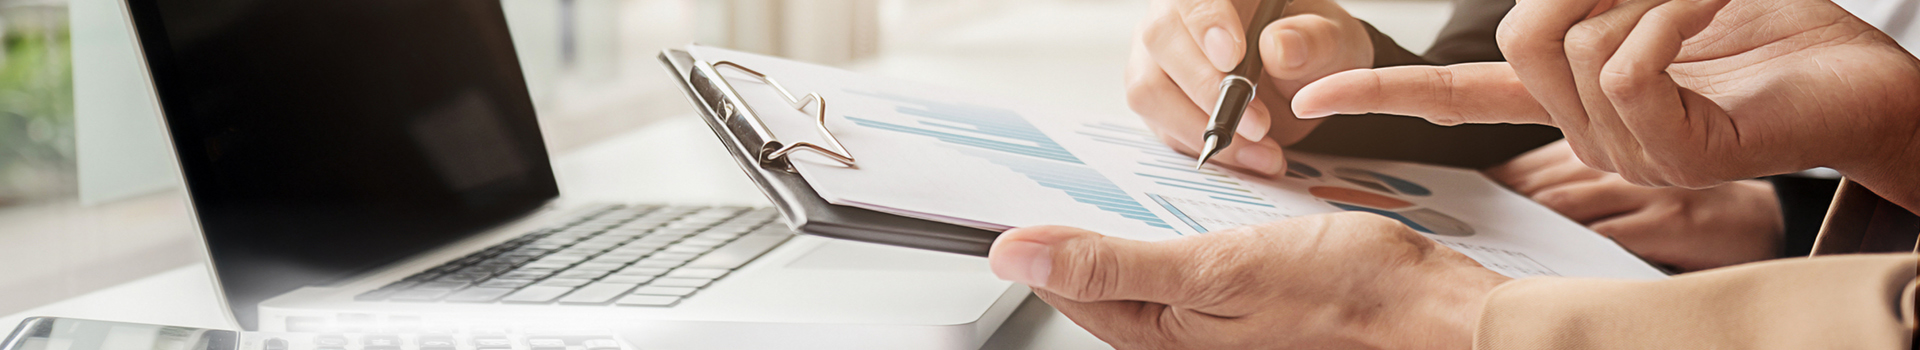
{"points": [[639, 256], [438, 338]]}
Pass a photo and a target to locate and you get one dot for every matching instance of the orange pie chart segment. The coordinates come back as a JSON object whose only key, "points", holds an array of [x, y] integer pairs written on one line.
{"points": [[1357, 197]]}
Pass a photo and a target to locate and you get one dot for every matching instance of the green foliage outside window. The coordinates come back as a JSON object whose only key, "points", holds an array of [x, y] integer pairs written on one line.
{"points": [[36, 105]]}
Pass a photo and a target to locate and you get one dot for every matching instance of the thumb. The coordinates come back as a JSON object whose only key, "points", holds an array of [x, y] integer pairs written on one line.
{"points": [[1476, 93], [1216, 25], [1084, 266]]}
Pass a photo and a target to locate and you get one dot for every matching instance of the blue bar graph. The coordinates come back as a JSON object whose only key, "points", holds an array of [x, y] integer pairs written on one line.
{"points": [[1164, 167], [1005, 138]]}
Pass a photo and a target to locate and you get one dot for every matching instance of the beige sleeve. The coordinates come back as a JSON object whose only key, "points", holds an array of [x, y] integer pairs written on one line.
{"points": [[1837, 302]]}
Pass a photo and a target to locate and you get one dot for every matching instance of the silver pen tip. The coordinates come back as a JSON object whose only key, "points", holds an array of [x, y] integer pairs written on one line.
{"points": [[1212, 147]]}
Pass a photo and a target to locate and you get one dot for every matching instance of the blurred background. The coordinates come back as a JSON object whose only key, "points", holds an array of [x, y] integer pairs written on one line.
{"points": [[89, 197]]}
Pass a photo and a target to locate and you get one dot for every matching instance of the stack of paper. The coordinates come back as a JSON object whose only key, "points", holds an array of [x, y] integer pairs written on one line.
{"points": [[961, 158]]}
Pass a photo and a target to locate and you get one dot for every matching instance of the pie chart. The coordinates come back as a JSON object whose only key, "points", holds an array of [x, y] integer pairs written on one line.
{"points": [[1420, 219], [1301, 171], [1381, 182]]}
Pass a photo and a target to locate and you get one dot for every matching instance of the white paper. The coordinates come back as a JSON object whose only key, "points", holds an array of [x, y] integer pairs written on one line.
{"points": [[961, 158]]}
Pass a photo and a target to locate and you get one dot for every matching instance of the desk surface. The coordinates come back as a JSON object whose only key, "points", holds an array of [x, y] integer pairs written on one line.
{"points": [[629, 168]]}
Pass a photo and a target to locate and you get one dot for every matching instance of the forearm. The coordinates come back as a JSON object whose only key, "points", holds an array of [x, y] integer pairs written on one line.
{"points": [[1853, 301]]}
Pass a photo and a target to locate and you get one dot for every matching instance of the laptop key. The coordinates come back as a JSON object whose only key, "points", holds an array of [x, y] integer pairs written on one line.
{"points": [[665, 264], [702, 242], [505, 283], [647, 300], [641, 271], [380, 342], [523, 275], [492, 343], [596, 266], [330, 341], [564, 282], [547, 344], [600, 344], [536, 294], [597, 293], [436, 342], [627, 279], [739, 252], [681, 282], [419, 295], [582, 275], [443, 285], [478, 295], [694, 272], [667, 291]]}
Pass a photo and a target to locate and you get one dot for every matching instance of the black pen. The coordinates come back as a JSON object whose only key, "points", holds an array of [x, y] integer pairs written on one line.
{"points": [[1236, 90]]}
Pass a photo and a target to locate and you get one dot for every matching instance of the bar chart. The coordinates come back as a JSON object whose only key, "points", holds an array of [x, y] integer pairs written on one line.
{"points": [[1204, 199], [1005, 138]]}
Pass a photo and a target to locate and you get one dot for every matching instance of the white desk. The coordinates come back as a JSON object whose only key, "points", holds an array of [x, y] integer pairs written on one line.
{"points": [[675, 161]]}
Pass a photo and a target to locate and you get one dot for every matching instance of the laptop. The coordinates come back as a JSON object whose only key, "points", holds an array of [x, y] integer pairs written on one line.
{"points": [[358, 164]]}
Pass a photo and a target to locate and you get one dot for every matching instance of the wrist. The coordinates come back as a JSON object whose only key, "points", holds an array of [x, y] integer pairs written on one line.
{"points": [[1441, 312], [1891, 168]]}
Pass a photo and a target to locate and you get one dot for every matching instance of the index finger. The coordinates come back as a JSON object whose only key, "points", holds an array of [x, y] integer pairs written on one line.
{"points": [[1533, 37], [1476, 93]]}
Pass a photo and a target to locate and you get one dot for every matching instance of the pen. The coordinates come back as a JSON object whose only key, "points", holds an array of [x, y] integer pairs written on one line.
{"points": [[1236, 90]]}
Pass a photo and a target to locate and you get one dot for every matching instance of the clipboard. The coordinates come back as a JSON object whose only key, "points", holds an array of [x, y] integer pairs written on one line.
{"points": [[764, 159]]}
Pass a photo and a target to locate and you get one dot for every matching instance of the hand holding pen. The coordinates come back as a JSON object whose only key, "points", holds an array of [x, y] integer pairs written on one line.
{"points": [[1183, 53]]}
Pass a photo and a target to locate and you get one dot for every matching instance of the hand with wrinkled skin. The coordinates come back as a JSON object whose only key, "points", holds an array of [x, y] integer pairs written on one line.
{"points": [[1690, 230], [1343, 280], [1181, 53], [1689, 93]]}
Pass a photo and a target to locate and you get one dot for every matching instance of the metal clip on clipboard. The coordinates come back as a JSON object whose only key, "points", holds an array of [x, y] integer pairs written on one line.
{"points": [[765, 160]]}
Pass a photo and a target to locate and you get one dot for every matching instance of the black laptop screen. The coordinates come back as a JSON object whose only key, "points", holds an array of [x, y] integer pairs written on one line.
{"points": [[320, 138]]}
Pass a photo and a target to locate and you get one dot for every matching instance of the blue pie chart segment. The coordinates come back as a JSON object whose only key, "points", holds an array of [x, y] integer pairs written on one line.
{"points": [[1392, 215], [1403, 186], [1302, 169]]}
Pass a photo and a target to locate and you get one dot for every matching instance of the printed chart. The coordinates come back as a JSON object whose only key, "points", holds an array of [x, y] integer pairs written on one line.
{"points": [[1379, 194], [1203, 199], [1005, 138]]}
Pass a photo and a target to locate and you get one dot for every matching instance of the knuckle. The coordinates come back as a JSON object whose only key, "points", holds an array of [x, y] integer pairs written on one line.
{"points": [[1519, 43], [1218, 274], [1557, 199], [1620, 82], [1092, 271], [1140, 96], [1202, 12], [1154, 33], [1445, 81], [1584, 49]]}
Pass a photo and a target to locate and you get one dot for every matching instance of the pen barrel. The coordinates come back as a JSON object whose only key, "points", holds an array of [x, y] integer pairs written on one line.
{"points": [[1236, 92], [1269, 11]]}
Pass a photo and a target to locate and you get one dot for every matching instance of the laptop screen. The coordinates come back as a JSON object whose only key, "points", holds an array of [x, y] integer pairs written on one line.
{"points": [[322, 138]]}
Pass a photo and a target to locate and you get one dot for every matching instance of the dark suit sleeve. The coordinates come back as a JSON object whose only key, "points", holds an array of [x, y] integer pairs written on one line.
{"points": [[1468, 37]]}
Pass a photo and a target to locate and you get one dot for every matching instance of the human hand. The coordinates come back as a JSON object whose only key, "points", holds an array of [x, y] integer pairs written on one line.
{"points": [[1691, 230], [1683, 92], [1342, 280], [1181, 53]]}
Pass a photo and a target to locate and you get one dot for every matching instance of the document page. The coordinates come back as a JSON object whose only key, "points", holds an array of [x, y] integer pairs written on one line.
{"points": [[995, 163]]}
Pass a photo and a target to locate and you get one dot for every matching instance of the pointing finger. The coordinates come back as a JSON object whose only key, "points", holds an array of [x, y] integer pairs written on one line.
{"points": [[1478, 93]]}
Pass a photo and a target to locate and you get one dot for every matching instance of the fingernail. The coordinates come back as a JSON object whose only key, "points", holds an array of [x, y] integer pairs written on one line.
{"points": [[1219, 49], [1293, 48], [1312, 114], [1248, 128], [1258, 158], [1026, 263]]}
